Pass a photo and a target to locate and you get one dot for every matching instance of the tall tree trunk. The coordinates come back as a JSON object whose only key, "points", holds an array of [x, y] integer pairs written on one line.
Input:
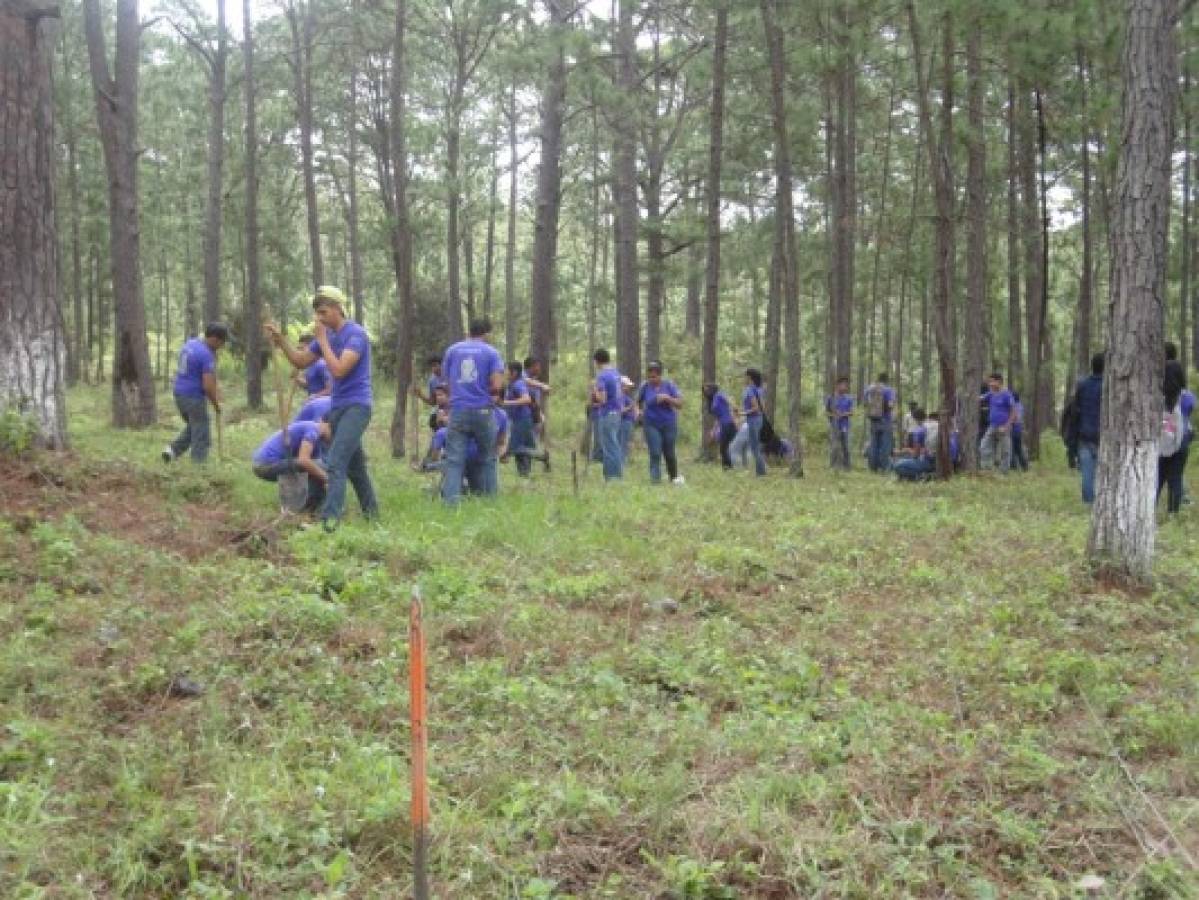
{"points": [[1043, 409], [216, 166], [303, 34], [401, 233], [628, 305], [712, 196], [510, 253], [32, 353], [939, 152], [78, 354], [1033, 287], [453, 144], [597, 227], [1185, 250], [844, 167], [695, 256], [976, 247], [492, 204], [549, 188], [133, 400], [357, 286], [655, 247], [1082, 349], [252, 312], [879, 230], [1122, 523], [1015, 313]]}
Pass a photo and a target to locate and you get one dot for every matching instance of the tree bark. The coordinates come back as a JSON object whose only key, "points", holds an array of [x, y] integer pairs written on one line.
{"points": [[453, 143], [1015, 313], [489, 250], [357, 285], [510, 245], [844, 173], [77, 358], [628, 304], [712, 196], [1185, 250], [303, 34], [252, 313], [32, 353], [401, 233], [216, 164], [549, 189], [1082, 347], [133, 400], [1122, 522], [976, 247]]}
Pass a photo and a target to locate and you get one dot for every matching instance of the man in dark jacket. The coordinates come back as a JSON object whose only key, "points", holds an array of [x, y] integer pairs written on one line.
{"points": [[1088, 396]]}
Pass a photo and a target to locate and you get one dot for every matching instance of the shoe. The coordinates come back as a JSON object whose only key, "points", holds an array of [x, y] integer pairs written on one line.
{"points": [[168, 455], [678, 479]]}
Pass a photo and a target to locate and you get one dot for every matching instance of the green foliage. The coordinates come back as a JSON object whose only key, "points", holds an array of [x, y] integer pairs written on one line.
{"points": [[17, 433]]}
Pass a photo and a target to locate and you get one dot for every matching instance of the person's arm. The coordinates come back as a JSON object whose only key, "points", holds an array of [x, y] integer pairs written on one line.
{"points": [[305, 461], [525, 399], [339, 366], [501, 444], [675, 399], [301, 359], [540, 385], [211, 391]]}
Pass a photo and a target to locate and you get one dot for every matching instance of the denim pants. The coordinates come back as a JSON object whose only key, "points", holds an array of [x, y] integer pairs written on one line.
{"points": [[465, 424], [1169, 475], [347, 459], [272, 471], [522, 445], [838, 447], [660, 441], [996, 449], [1088, 460], [880, 445], [739, 448], [914, 469], [755, 444], [1019, 458], [728, 434], [195, 433], [609, 439], [626, 439]]}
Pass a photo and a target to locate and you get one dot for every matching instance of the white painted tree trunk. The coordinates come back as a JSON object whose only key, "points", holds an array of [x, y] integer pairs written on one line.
{"points": [[32, 353], [1123, 520]]}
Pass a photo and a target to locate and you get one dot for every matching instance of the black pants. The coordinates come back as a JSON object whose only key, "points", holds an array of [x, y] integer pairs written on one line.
{"points": [[727, 434], [1169, 473]]}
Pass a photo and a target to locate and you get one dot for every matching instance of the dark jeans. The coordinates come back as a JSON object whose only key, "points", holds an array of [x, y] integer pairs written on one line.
{"points": [[1019, 457], [1088, 461], [522, 445], [609, 435], [879, 457], [915, 469], [1169, 473], [465, 424], [347, 460], [755, 444], [272, 471], [728, 433], [660, 441], [195, 433]]}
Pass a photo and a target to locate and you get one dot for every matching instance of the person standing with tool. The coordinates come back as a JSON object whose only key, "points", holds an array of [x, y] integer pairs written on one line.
{"points": [[195, 387]]}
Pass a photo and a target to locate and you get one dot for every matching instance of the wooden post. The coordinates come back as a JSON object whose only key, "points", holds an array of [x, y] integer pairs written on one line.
{"points": [[420, 794]]}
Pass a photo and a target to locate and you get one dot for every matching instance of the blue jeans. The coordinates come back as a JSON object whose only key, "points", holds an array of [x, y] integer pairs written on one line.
{"points": [[347, 459], [838, 456], [1088, 459], [626, 438], [195, 432], [465, 424], [522, 444], [880, 445], [609, 439], [755, 444], [915, 469], [660, 441]]}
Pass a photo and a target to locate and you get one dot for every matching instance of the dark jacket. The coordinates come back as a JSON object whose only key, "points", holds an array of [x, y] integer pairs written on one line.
{"points": [[1088, 397]]}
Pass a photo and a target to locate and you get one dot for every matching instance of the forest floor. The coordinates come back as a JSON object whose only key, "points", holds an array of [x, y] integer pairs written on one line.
{"points": [[868, 689]]}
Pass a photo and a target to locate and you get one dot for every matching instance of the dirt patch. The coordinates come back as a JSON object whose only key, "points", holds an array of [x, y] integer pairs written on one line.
{"points": [[113, 501]]}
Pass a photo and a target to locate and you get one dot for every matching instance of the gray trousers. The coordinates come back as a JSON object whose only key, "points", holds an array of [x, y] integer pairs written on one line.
{"points": [[996, 451], [195, 433]]}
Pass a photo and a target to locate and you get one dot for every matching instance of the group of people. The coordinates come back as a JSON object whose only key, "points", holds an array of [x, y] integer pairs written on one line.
{"points": [[485, 411]]}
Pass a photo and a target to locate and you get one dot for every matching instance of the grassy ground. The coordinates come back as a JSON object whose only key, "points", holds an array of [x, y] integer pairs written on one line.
{"points": [[868, 689]]}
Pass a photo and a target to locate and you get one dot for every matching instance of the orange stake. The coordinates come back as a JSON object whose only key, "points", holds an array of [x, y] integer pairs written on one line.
{"points": [[420, 787]]}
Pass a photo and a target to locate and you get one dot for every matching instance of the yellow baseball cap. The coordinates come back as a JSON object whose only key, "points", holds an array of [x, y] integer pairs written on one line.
{"points": [[329, 294]]}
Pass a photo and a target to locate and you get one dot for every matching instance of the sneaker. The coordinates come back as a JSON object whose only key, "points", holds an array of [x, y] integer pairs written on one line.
{"points": [[678, 479], [168, 455]]}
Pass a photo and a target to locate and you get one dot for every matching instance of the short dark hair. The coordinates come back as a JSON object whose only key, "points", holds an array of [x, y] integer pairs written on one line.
{"points": [[307, 337], [996, 376], [433, 360], [531, 361], [1171, 350], [654, 365], [754, 375], [480, 327], [842, 379], [920, 413], [1097, 362], [515, 367], [217, 330], [602, 356], [882, 376]]}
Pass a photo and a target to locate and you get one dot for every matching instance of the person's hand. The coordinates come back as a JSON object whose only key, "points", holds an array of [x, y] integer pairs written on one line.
{"points": [[272, 332], [319, 331]]}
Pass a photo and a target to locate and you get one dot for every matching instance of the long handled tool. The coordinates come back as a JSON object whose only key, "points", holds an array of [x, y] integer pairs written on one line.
{"points": [[293, 486], [220, 435], [416, 452], [420, 745]]}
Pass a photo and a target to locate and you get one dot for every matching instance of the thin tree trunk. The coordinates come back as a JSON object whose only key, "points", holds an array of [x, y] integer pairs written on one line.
{"points": [[1185, 291], [453, 143], [32, 352], [78, 356], [625, 188], [1082, 351], [976, 248], [596, 228], [401, 232], [695, 254], [1123, 523], [357, 287], [1043, 410], [302, 39], [712, 194], [252, 312], [492, 204], [133, 400], [1033, 287], [216, 165], [1015, 312], [844, 168], [510, 254]]}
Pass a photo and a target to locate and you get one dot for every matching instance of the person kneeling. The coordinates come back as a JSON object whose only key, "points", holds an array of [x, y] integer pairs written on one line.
{"points": [[300, 450], [915, 462]]}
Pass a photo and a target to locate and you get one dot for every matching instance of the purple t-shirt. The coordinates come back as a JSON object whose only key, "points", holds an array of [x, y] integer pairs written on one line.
{"points": [[438, 442], [626, 408], [1002, 406], [1018, 421], [273, 451], [314, 410], [196, 360], [722, 411], [655, 413], [1187, 402], [608, 381], [500, 418], [515, 391], [468, 366], [354, 388], [746, 397], [316, 377], [918, 438], [841, 404]]}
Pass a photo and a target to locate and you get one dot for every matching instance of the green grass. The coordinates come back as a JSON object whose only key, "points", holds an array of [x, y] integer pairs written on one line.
{"points": [[869, 689]]}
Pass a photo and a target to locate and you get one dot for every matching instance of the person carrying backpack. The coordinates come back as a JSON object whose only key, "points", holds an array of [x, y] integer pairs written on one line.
{"points": [[1088, 399], [879, 404], [1171, 459]]}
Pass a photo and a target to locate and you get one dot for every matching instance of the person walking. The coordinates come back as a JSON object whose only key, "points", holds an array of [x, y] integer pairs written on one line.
{"points": [[518, 404], [659, 400], [754, 410], [607, 396], [194, 388], [997, 441], [1088, 399]]}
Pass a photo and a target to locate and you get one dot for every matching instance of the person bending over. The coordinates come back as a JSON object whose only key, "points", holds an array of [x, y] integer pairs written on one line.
{"points": [[195, 387], [300, 450]]}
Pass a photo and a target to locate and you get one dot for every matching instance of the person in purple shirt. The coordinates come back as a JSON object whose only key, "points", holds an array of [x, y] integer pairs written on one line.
{"points": [[722, 411], [996, 450], [346, 350], [878, 401], [629, 414], [608, 397], [474, 371], [659, 400], [916, 463], [195, 387], [755, 412], [315, 379], [1019, 457], [299, 451], [314, 410], [433, 382], [518, 404], [840, 414]]}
